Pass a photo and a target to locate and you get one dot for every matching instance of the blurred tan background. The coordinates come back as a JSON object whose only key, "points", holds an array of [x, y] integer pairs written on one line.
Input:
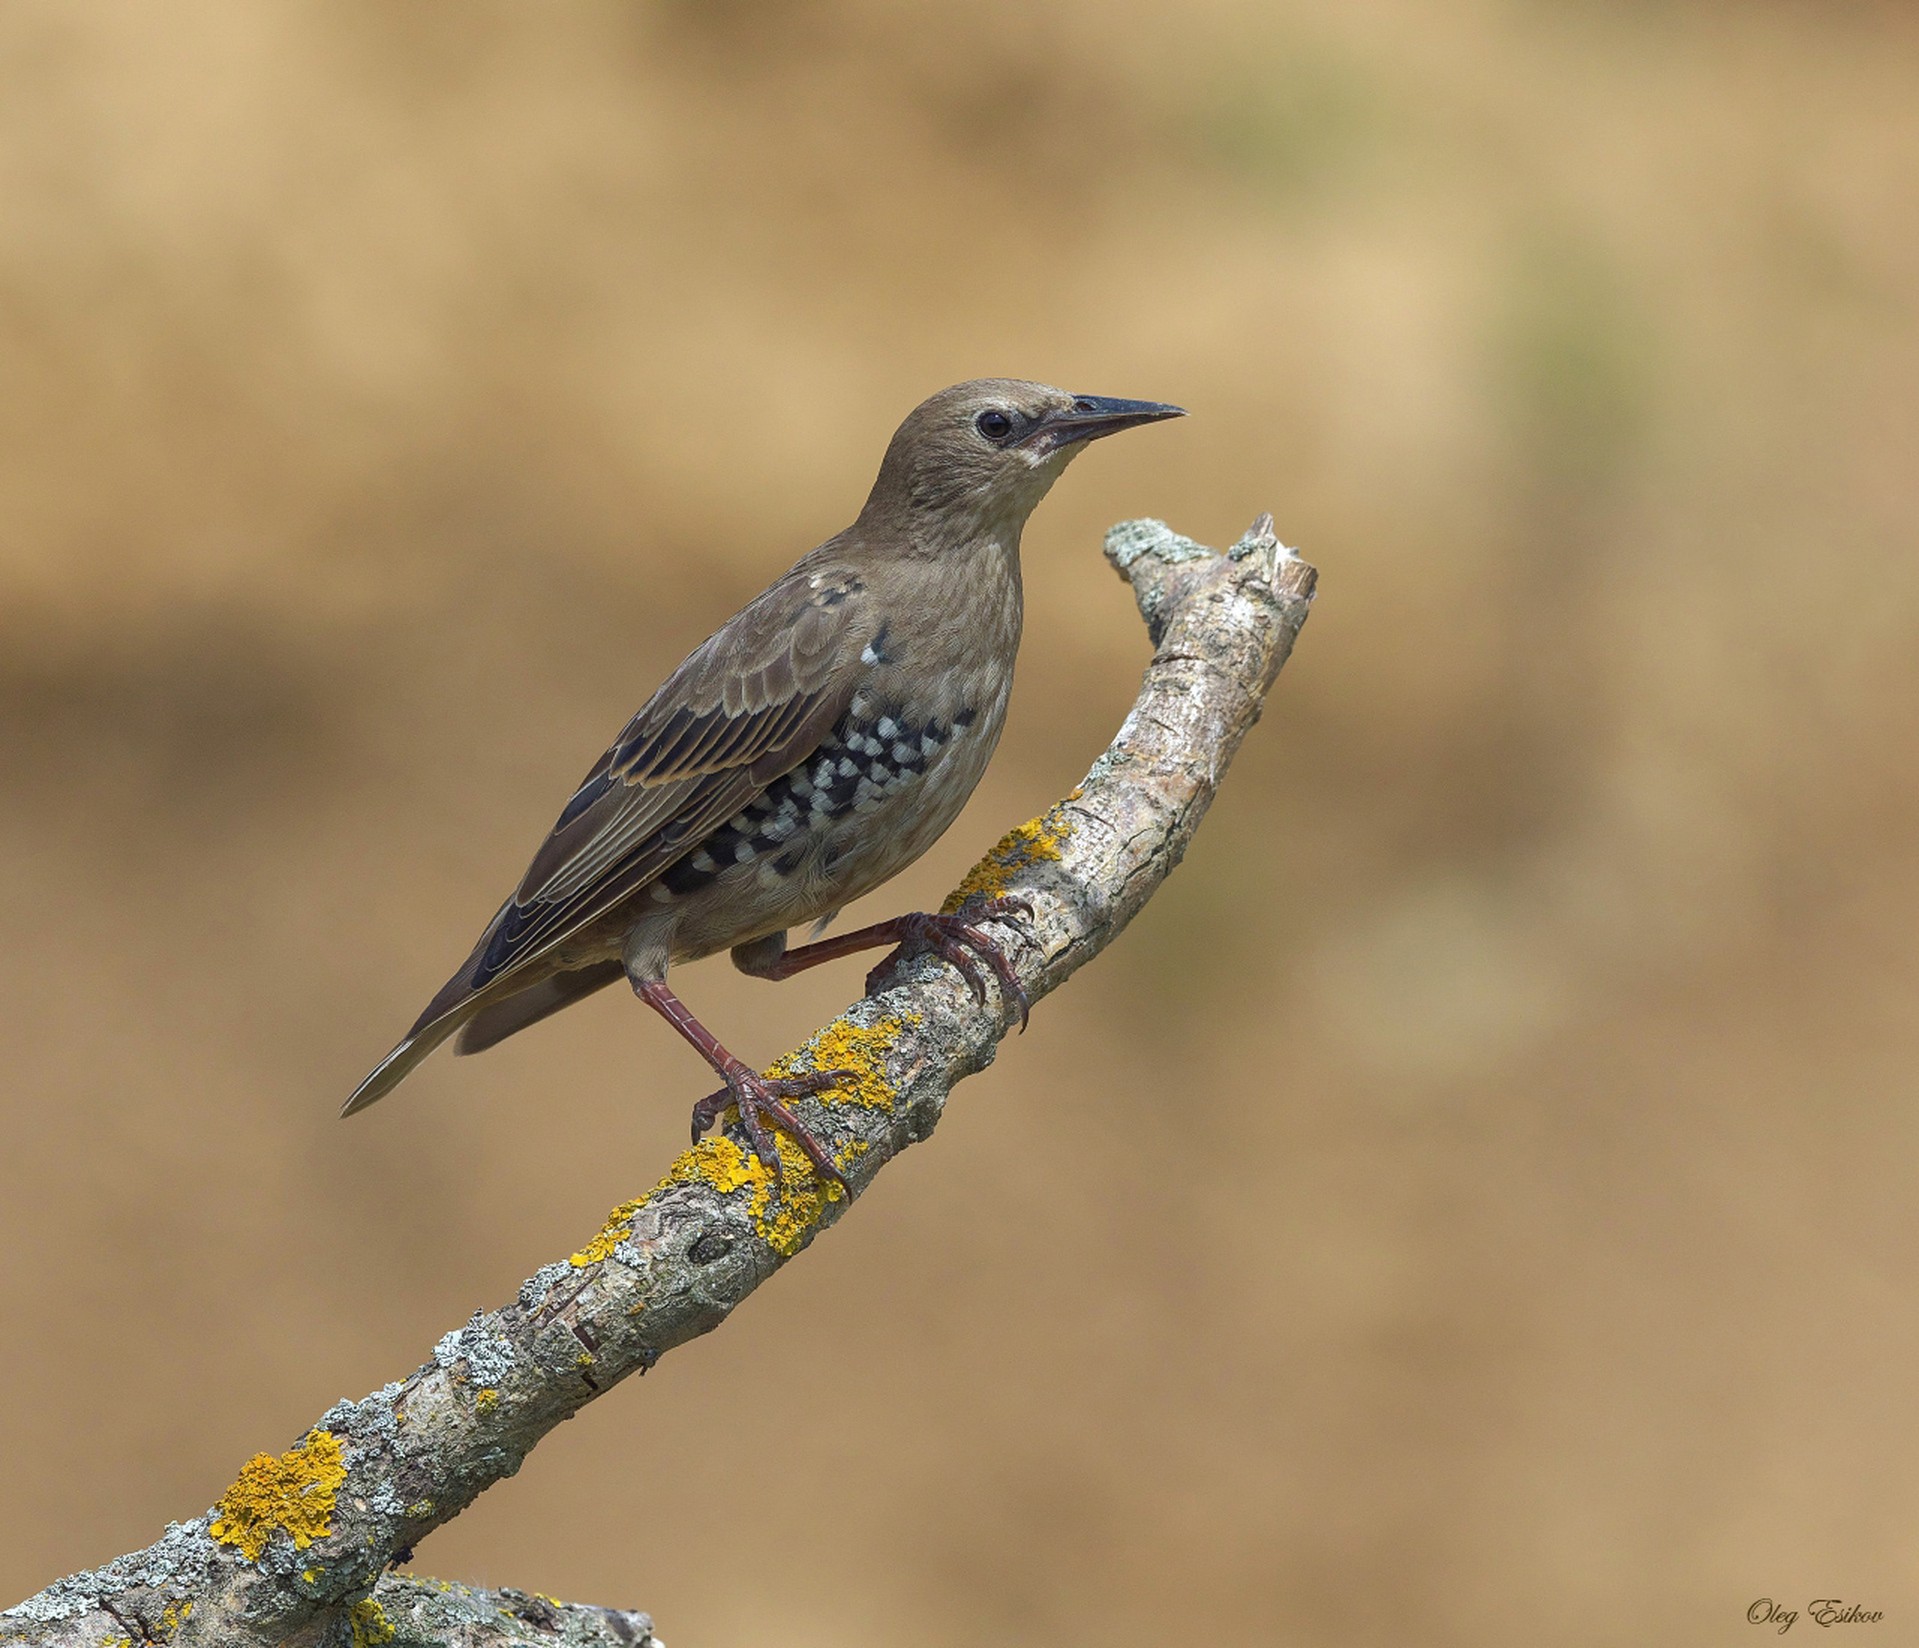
{"points": [[1474, 1203]]}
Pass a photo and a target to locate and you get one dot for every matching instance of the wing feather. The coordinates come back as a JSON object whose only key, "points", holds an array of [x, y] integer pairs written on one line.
{"points": [[747, 705]]}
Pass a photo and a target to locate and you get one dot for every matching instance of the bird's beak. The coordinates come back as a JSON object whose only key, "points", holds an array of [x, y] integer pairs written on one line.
{"points": [[1091, 416]]}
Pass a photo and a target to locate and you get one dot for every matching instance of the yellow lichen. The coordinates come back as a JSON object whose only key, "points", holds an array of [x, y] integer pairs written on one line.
{"points": [[487, 1400], [294, 1492], [1036, 841], [618, 1226], [311, 1576], [172, 1617], [859, 1049], [371, 1627], [781, 1214]]}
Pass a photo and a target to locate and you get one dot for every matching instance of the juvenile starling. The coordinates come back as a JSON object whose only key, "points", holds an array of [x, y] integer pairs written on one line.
{"points": [[812, 748]]}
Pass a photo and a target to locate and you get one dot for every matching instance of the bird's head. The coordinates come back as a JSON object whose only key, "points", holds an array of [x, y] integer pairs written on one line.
{"points": [[981, 455]]}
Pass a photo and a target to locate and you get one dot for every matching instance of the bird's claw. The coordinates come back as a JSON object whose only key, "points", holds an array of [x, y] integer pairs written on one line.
{"points": [[959, 941], [755, 1096]]}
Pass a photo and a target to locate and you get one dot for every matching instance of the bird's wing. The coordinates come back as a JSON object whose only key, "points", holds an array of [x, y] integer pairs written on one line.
{"points": [[751, 703]]}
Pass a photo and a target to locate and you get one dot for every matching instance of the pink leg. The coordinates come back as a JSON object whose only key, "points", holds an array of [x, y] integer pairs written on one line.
{"points": [[953, 938], [753, 1094]]}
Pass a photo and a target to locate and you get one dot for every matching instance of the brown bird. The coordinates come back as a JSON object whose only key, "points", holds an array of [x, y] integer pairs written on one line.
{"points": [[812, 748]]}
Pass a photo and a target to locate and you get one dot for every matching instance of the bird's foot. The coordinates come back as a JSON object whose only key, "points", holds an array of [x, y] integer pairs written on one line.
{"points": [[958, 939], [760, 1099]]}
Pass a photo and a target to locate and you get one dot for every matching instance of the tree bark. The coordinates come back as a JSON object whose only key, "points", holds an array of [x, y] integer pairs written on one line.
{"points": [[298, 1550]]}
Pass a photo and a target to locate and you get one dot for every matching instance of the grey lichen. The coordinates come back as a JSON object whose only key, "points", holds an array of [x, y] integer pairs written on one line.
{"points": [[1129, 540], [369, 1420], [534, 1289], [174, 1569], [488, 1357], [430, 1613]]}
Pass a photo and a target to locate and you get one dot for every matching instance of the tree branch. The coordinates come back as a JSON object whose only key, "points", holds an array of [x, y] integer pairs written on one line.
{"points": [[297, 1550]]}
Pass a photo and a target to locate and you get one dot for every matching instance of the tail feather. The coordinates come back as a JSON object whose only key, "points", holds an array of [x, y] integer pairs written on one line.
{"points": [[397, 1065], [444, 1014], [458, 1009], [507, 1017]]}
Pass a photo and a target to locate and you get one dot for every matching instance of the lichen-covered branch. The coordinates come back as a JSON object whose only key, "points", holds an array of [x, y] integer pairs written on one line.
{"points": [[298, 1549], [405, 1612]]}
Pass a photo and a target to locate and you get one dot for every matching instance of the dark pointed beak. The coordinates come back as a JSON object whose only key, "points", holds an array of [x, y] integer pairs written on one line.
{"points": [[1091, 416]]}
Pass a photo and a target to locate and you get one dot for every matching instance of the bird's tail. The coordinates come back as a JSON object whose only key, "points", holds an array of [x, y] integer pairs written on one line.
{"points": [[397, 1065], [509, 1016]]}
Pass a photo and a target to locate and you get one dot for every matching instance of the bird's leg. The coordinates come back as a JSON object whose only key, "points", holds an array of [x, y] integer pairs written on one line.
{"points": [[755, 1096], [954, 938]]}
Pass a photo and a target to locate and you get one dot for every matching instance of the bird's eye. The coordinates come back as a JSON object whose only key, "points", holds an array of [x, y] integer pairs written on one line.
{"points": [[995, 426]]}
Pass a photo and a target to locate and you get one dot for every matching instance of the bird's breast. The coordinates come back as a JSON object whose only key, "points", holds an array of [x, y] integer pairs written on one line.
{"points": [[879, 790], [881, 787]]}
